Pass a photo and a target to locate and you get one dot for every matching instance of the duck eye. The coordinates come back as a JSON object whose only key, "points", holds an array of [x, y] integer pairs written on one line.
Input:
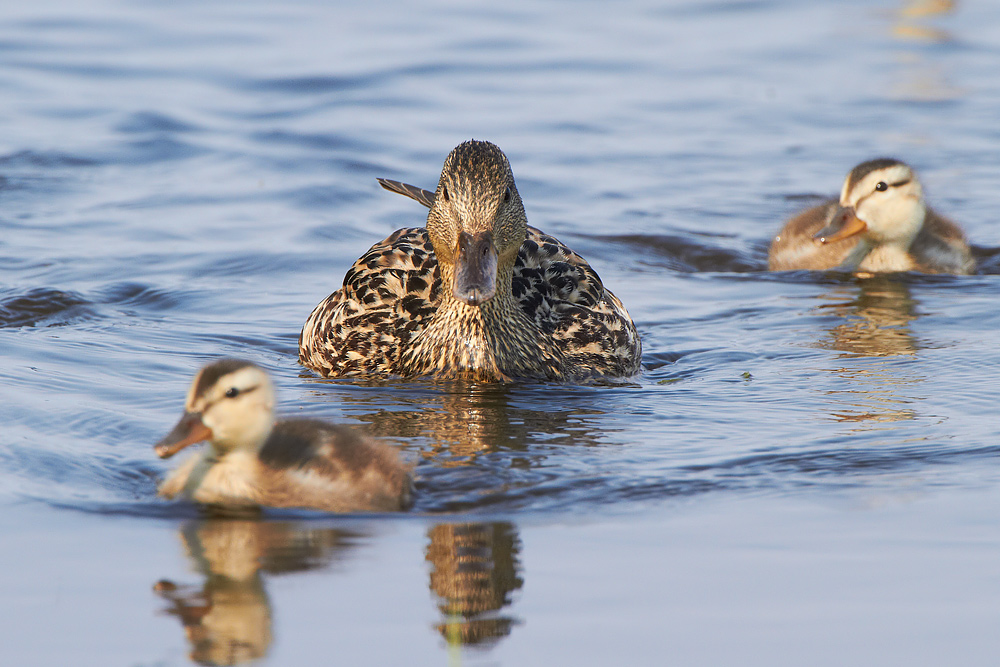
{"points": [[881, 186], [232, 392], [444, 192], [506, 194]]}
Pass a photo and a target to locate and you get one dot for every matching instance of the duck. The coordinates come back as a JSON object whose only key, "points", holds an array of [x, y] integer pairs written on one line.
{"points": [[881, 223], [477, 294], [254, 461]]}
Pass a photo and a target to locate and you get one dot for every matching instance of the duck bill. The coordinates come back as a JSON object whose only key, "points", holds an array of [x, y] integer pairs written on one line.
{"points": [[189, 430], [475, 268], [843, 224]]}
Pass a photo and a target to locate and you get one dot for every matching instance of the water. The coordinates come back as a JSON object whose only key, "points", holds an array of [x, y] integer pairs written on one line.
{"points": [[805, 471]]}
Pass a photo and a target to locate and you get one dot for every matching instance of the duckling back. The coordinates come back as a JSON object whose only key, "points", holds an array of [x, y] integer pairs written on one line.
{"points": [[309, 463], [939, 247]]}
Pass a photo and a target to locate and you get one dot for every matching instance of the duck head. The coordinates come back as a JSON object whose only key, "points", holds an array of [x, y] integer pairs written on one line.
{"points": [[882, 200], [230, 404], [477, 222]]}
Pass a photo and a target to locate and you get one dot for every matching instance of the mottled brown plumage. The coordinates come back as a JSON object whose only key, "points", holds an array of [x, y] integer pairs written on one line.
{"points": [[476, 294], [253, 461], [879, 224]]}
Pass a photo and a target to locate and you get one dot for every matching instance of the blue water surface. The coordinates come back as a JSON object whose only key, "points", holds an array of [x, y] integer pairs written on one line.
{"points": [[805, 472]]}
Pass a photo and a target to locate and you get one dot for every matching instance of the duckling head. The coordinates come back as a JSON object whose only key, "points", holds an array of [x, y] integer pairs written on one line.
{"points": [[477, 222], [883, 201], [230, 404]]}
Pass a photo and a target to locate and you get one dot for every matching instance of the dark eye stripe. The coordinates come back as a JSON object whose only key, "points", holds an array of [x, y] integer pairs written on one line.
{"points": [[239, 392], [901, 183], [233, 392]]}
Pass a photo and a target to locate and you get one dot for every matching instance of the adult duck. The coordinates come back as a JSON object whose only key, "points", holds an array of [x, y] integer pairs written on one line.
{"points": [[254, 461], [880, 224], [477, 294]]}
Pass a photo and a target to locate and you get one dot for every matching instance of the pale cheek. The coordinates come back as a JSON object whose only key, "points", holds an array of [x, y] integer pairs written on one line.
{"points": [[898, 219]]}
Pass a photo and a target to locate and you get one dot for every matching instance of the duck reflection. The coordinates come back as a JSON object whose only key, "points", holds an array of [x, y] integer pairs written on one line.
{"points": [[474, 572], [876, 314], [459, 421], [227, 620]]}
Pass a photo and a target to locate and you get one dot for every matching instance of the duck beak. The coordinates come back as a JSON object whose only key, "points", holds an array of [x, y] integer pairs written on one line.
{"points": [[844, 223], [475, 268], [189, 430]]}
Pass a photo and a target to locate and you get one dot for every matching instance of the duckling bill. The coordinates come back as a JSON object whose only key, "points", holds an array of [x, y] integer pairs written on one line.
{"points": [[253, 461], [881, 223], [477, 294]]}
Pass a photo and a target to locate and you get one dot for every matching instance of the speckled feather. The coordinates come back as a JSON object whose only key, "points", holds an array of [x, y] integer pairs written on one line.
{"points": [[566, 325]]}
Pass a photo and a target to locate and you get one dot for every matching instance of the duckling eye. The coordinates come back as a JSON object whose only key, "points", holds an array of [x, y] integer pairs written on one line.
{"points": [[506, 194], [444, 193], [881, 186], [232, 392]]}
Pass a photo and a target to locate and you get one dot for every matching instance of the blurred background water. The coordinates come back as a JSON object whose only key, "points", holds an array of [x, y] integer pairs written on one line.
{"points": [[804, 473]]}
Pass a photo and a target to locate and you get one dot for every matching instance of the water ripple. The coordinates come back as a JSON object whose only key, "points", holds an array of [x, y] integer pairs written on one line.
{"points": [[689, 255], [136, 294], [153, 121], [43, 307], [44, 159]]}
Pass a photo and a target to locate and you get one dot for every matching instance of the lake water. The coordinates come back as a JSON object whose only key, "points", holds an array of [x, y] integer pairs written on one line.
{"points": [[806, 471]]}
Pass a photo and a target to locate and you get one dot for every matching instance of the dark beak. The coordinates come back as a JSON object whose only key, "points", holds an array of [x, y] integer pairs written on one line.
{"points": [[842, 224], [475, 268], [188, 431]]}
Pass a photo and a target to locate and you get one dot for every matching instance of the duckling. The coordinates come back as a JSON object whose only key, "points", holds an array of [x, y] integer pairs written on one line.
{"points": [[477, 294], [254, 461], [880, 224]]}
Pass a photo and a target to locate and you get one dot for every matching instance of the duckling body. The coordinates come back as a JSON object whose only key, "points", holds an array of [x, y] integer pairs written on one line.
{"points": [[880, 224], [476, 294], [253, 461]]}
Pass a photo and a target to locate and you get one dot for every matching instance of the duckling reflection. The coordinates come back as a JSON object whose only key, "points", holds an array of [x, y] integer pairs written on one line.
{"points": [[475, 570], [227, 620], [907, 27], [876, 324], [876, 319], [921, 80]]}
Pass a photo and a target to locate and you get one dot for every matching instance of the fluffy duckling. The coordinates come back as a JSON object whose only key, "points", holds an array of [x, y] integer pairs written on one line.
{"points": [[477, 294], [880, 224], [254, 461]]}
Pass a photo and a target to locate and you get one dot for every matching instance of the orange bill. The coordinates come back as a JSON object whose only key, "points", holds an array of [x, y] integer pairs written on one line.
{"points": [[188, 431], [843, 224]]}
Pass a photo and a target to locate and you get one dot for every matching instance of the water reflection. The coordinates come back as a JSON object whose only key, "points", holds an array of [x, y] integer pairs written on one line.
{"points": [[876, 325], [460, 423], [227, 620], [908, 20], [922, 80], [877, 313], [474, 572]]}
